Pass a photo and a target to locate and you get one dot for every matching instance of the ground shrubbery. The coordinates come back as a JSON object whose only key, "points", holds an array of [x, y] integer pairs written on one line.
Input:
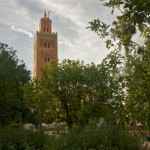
{"points": [[88, 138], [96, 138], [12, 138]]}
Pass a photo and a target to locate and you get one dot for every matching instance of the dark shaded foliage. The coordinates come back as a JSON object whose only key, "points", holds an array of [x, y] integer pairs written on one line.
{"points": [[12, 138], [13, 75], [106, 137]]}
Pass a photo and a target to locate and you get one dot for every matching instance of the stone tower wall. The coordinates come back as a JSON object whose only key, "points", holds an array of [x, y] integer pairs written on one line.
{"points": [[45, 47]]}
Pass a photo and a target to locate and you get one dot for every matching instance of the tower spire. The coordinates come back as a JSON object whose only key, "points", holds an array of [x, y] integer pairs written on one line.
{"points": [[45, 13]]}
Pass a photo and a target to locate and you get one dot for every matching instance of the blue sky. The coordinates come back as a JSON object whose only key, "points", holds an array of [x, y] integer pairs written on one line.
{"points": [[19, 20]]}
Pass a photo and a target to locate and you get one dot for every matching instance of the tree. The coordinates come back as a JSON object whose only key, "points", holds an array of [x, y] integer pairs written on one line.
{"points": [[131, 23], [76, 93], [13, 75], [40, 101]]}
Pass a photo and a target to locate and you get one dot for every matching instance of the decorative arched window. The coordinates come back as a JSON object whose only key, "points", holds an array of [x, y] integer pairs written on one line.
{"points": [[44, 29], [45, 44], [41, 43], [48, 45], [47, 59]]}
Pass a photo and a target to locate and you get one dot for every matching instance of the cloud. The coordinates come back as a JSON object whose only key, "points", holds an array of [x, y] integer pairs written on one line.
{"points": [[20, 30], [33, 7], [70, 19]]}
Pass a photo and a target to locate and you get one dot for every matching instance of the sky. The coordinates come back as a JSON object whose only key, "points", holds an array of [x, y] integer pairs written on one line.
{"points": [[19, 20]]}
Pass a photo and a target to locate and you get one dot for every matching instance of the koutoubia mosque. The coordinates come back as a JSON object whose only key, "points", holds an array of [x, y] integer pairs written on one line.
{"points": [[45, 46]]}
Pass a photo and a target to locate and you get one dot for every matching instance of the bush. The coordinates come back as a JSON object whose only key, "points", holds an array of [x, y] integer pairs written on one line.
{"points": [[20, 139], [94, 138], [89, 138]]}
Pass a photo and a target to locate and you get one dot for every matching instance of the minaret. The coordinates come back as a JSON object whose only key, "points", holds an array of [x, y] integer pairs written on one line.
{"points": [[45, 46]]}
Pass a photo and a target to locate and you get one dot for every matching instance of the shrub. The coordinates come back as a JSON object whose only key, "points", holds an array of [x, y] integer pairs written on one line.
{"points": [[20, 139], [96, 138], [88, 138]]}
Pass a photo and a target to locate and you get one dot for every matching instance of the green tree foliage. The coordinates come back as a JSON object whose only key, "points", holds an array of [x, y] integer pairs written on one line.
{"points": [[39, 100], [131, 23], [13, 75], [76, 93], [138, 102]]}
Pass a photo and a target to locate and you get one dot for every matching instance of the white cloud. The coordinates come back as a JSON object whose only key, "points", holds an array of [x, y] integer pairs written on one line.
{"points": [[70, 11], [23, 31], [85, 45], [70, 18]]}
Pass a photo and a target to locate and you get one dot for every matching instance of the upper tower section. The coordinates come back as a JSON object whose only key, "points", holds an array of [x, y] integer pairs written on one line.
{"points": [[45, 23]]}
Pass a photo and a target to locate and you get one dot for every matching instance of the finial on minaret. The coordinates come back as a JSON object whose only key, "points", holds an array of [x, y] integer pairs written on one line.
{"points": [[49, 13], [45, 14]]}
